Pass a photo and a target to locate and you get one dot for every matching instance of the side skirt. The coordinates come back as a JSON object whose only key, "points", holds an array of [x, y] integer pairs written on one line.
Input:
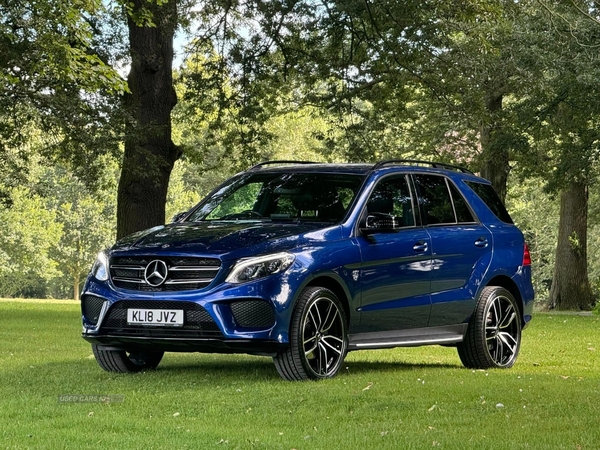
{"points": [[446, 335]]}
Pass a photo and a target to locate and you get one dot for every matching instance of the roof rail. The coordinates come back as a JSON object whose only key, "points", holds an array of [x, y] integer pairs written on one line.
{"points": [[436, 165], [284, 161]]}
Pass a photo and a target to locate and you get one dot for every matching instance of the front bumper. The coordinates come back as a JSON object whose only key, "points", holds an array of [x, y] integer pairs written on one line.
{"points": [[248, 318], [171, 344]]}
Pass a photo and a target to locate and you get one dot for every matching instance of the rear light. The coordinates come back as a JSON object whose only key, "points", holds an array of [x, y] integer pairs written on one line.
{"points": [[526, 256]]}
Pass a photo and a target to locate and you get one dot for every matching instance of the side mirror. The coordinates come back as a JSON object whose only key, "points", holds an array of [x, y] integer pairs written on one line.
{"points": [[379, 223], [177, 217]]}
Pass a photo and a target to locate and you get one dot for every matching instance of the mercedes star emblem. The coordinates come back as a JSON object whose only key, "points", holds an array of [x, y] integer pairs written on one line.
{"points": [[156, 273]]}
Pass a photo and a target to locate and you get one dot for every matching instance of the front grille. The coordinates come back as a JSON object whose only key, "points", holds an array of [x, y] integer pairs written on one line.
{"points": [[197, 322], [182, 274], [91, 307], [253, 314]]}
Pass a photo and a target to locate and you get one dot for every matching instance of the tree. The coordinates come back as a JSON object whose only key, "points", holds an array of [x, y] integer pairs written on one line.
{"points": [[563, 113], [52, 228], [215, 133], [367, 63], [29, 232], [149, 150], [87, 219], [570, 284], [482, 75]]}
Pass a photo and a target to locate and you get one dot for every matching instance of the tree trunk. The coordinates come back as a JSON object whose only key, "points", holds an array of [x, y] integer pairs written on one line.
{"points": [[570, 284], [149, 151], [494, 163]]}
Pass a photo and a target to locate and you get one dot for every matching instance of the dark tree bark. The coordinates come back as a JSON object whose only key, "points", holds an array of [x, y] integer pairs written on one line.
{"points": [[149, 151], [494, 162], [570, 284]]}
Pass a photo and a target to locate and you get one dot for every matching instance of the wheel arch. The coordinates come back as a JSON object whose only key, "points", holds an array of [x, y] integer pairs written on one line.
{"points": [[509, 284], [336, 286]]}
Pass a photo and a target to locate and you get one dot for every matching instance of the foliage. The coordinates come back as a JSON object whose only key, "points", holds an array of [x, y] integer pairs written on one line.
{"points": [[87, 220], [29, 229], [562, 105], [54, 75], [593, 249], [536, 214], [54, 227], [214, 133], [180, 198], [565, 99], [29, 233]]}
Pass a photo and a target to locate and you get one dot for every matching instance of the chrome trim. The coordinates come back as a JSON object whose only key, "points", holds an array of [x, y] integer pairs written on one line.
{"points": [[157, 274], [189, 281], [193, 268], [408, 343], [129, 280], [414, 337]]}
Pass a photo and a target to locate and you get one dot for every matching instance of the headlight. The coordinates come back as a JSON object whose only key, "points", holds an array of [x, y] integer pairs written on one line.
{"points": [[254, 268], [100, 267]]}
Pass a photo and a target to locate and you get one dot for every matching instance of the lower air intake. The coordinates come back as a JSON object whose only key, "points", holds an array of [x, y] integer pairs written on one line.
{"points": [[253, 314]]}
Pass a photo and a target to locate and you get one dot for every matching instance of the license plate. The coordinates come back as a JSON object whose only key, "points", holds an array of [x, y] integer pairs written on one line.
{"points": [[159, 317]]}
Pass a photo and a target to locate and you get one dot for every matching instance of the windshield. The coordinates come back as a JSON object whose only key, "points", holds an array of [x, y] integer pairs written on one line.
{"points": [[322, 197]]}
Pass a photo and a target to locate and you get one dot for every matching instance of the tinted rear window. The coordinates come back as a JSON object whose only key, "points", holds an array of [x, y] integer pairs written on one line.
{"points": [[487, 193], [463, 213], [434, 198]]}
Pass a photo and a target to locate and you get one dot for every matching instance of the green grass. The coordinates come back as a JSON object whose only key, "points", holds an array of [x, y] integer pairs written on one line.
{"points": [[396, 399]]}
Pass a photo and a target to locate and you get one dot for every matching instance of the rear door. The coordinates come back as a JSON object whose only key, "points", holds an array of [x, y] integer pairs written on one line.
{"points": [[461, 249]]}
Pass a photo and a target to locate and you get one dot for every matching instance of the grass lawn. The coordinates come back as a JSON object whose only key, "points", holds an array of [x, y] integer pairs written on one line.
{"points": [[397, 399]]}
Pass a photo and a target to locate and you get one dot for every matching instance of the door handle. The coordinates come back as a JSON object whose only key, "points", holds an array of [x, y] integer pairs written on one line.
{"points": [[420, 247], [481, 242]]}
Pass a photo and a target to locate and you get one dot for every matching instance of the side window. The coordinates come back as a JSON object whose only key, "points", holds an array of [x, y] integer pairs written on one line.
{"points": [[488, 195], [392, 196], [434, 198], [463, 213]]}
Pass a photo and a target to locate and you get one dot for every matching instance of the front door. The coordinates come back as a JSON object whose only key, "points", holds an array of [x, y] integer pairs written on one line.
{"points": [[395, 269]]}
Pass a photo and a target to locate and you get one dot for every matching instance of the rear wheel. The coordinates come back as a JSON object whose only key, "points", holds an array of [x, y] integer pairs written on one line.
{"points": [[493, 338], [122, 361], [318, 338]]}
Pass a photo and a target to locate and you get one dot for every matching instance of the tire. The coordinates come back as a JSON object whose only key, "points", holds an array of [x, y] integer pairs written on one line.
{"points": [[493, 338], [121, 361], [318, 338]]}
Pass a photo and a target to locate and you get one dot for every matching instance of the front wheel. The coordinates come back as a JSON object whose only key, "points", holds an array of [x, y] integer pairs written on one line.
{"points": [[493, 338], [120, 361], [318, 337]]}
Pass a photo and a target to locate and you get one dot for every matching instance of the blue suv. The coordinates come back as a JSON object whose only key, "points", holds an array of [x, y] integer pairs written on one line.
{"points": [[304, 262]]}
